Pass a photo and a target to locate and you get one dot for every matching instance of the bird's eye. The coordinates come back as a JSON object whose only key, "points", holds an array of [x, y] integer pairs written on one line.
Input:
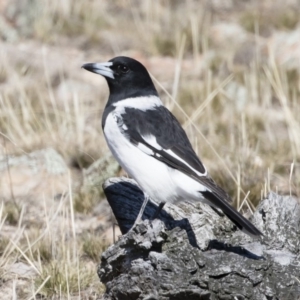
{"points": [[123, 69]]}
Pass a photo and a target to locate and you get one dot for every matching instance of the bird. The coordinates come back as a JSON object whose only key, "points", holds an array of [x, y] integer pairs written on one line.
{"points": [[152, 147]]}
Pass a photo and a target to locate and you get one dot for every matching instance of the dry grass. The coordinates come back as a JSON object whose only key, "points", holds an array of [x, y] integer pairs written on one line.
{"points": [[240, 109]]}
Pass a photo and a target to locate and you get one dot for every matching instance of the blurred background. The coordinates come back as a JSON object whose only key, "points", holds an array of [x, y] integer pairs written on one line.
{"points": [[229, 70]]}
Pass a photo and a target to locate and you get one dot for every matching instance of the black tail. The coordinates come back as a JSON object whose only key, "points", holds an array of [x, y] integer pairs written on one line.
{"points": [[234, 216]]}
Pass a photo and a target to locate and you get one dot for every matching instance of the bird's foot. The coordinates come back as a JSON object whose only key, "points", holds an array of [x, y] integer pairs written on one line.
{"points": [[158, 210]]}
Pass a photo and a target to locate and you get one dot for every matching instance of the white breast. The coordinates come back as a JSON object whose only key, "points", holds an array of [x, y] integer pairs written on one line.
{"points": [[159, 181]]}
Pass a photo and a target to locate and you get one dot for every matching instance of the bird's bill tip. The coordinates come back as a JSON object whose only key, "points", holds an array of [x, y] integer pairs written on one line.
{"points": [[100, 68], [88, 67]]}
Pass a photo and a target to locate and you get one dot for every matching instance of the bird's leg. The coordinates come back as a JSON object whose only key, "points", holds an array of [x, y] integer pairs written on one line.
{"points": [[158, 210], [139, 217]]}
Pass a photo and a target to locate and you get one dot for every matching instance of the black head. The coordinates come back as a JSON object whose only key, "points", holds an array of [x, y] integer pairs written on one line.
{"points": [[126, 78]]}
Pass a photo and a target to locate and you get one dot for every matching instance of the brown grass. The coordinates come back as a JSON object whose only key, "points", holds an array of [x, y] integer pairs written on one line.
{"points": [[238, 103]]}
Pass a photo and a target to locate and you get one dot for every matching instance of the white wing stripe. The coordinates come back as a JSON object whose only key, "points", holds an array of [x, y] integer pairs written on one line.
{"points": [[151, 140], [180, 159], [145, 149]]}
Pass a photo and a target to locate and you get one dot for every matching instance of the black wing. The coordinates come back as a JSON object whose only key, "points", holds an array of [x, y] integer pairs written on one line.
{"points": [[162, 125], [172, 146]]}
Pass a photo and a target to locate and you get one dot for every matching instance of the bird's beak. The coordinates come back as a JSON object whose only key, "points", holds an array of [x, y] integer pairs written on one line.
{"points": [[100, 68]]}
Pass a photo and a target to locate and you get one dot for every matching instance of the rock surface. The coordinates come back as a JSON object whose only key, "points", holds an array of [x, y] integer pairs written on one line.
{"points": [[193, 253], [36, 174]]}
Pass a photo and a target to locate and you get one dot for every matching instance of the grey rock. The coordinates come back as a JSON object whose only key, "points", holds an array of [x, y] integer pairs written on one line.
{"points": [[99, 171], [169, 258], [33, 175], [47, 159]]}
